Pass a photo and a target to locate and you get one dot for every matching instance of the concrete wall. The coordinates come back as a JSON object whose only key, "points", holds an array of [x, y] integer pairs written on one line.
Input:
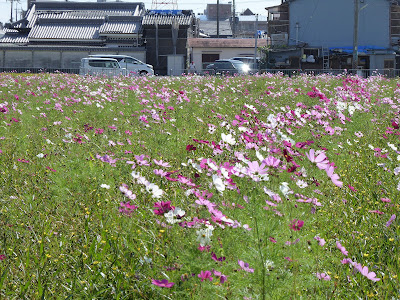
{"points": [[55, 58], [330, 23], [377, 61]]}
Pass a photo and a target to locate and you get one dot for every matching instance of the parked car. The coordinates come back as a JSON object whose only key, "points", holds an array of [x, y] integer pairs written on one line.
{"points": [[133, 65], [101, 66], [254, 65], [227, 66]]}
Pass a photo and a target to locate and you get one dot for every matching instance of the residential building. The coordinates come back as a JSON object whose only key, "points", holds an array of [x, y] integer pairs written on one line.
{"points": [[57, 34], [319, 34], [205, 51]]}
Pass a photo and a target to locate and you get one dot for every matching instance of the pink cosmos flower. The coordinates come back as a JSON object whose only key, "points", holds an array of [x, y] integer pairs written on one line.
{"points": [[320, 159], [161, 163], [352, 188], [342, 249], [214, 257], [364, 271], [245, 266], [163, 207], [255, 168], [323, 276], [321, 241], [296, 225], [127, 208], [387, 200], [160, 172], [334, 177], [376, 212], [162, 283], [222, 277], [205, 275], [271, 161], [392, 218]]}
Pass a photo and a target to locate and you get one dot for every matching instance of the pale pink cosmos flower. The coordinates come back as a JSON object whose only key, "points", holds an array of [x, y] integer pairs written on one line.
{"points": [[323, 276], [392, 218], [245, 266], [271, 161], [365, 272], [321, 241], [333, 176], [161, 163], [319, 158], [342, 249]]}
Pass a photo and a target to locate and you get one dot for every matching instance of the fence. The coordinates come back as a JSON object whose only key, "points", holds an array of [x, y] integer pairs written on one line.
{"points": [[390, 73]]}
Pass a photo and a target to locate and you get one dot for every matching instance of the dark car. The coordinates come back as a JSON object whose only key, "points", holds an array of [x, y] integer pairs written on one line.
{"points": [[228, 67]]}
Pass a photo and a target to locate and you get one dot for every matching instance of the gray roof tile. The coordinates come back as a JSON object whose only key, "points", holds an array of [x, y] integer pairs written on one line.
{"points": [[65, 32]]}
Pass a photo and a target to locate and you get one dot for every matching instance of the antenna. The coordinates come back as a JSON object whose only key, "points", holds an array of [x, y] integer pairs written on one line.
{"points": [[164, 5]]}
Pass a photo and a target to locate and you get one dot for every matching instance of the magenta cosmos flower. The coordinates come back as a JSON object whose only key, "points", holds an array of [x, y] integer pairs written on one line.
{"points": [[296, 225], [205, 275], [162, 283]]}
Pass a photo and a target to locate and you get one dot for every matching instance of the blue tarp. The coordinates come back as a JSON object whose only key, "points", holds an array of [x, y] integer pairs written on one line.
{"points": [[361, 49], [165, 12]]}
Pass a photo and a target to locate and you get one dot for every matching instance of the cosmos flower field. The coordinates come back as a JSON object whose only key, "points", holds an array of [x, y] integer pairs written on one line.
{"points": [[255, 187]]}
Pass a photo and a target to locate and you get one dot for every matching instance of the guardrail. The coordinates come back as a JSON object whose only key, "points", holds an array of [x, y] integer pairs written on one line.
{"points": [[389, 73]]}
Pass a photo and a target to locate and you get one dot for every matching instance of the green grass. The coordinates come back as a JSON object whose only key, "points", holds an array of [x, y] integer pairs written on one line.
{"points": [[63, 236]]}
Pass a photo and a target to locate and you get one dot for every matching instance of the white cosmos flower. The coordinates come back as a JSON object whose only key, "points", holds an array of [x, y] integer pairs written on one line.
{"points": [[271, 118], [228, 138], [351, 109], [40, 155], [301, 184], [204, 235], [219, 184], [396, 171], [284, 188], [394, 148], [259, 156], [105, 186]]}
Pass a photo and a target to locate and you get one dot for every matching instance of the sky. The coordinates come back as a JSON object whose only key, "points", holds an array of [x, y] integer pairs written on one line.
{"points": [[198, 6]]}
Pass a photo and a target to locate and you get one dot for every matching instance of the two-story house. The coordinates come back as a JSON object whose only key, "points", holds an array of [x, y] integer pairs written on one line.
{"points": [[313, 34]]}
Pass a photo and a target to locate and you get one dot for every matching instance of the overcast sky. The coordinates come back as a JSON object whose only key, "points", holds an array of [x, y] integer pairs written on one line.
{"points": [[198, 6]]}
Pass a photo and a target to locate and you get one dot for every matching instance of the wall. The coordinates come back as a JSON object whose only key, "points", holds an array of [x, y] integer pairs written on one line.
{"points": [[68, 58], [377, 61], [330, 23]]}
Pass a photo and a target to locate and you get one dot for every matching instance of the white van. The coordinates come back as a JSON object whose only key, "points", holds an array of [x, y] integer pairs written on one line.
{"points": [[132, 65], [101, 66]]}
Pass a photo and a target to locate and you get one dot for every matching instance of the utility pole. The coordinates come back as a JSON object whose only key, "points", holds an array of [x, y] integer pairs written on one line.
{"points": [[255, 42], [233, 19], [355, 36], [217, 18]]}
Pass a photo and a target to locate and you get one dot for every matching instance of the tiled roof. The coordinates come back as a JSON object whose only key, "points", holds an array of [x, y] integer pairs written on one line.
{"points": [[74, 21], [14, 39], [183, 20], [65, 32], [224, 43], [119, 27]]}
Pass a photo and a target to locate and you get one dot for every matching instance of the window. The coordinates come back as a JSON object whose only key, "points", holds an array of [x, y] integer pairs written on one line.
{"points": [[207, 59], [388, 64]]}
